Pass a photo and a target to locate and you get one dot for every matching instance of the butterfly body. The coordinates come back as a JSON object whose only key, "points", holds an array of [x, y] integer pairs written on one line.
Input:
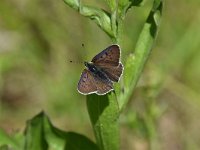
{"points": [[104, 69], [96, 71]]}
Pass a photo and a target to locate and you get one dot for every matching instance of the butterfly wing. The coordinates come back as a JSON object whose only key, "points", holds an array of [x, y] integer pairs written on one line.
{"points": [[86, 84], [89, 83], [103, 86], [108, 62], [113, 73], [108, 57]]}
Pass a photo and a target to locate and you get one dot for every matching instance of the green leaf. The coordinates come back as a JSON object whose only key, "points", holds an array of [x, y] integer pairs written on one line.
{"points": [[101, 17], [112, 4], [9, 141], [104, 113], [35, 134], [124, 5], [135, 62], [73, 3], [42, 135]]}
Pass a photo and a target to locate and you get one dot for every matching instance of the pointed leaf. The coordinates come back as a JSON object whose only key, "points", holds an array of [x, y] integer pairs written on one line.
{"points": [[124, 5], [135, 63], [9, 141], [100, 16], [41, 134]]}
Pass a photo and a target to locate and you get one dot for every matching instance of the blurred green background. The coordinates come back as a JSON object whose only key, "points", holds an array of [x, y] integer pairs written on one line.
{"points": [[39, 38]]}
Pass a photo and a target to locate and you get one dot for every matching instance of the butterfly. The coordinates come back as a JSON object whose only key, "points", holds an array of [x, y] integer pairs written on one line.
{"points": [[99, 75]]}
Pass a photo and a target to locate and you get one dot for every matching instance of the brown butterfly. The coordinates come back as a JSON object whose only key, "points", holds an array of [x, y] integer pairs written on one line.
{"points": [[99, 75]]}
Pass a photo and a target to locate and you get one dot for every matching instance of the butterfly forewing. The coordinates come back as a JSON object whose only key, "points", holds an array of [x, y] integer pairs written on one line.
{"points": [[86, 83], [108, 57]]}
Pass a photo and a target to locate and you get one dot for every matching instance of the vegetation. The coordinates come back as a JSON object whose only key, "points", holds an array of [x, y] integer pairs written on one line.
{"points": [[38, 40]]}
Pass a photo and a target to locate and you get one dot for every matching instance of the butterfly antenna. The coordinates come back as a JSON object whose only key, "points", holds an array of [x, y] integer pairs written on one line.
{"points": [[76, 62]]}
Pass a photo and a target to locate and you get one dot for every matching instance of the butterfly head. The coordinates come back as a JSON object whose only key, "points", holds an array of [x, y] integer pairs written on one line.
{"points": [[91, 67], [86, 64]]}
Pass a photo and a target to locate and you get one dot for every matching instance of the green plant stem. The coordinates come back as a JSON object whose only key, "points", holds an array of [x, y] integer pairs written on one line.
{"points": [[114, 26], [120, 30]]}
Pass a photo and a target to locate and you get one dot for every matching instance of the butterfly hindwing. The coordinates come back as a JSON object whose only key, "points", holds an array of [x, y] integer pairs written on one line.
{"points": [[103, 86], [90, 83], [108, 57], [113, 73], [86, 84]]}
